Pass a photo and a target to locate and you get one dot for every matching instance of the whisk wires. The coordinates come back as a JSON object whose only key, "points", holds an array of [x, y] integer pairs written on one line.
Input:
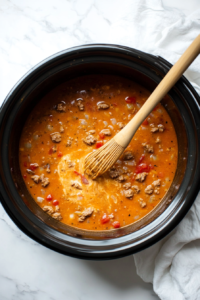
{"points": [[99, 161]]}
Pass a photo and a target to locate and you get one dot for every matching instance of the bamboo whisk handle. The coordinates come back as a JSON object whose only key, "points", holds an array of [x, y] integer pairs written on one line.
{"points": [[124, 137]]}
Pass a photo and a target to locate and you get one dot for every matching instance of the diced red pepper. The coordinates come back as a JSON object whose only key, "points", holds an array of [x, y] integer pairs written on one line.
{"points": [[101, 135], [142, 168], [116, 224], [99, 144], [130, 99], [145, 122], [55, 202], [49, 197], [32, 167], [60, 154], [105, 219], [114, 104], [83, 178], [25, 164], [25, 176]]}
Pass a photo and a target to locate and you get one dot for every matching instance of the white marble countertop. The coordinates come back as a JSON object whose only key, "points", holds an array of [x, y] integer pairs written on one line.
{"points": [[31, 31]]}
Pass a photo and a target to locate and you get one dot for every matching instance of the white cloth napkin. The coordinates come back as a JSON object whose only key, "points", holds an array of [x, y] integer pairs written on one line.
{"points": [[173, 264]]}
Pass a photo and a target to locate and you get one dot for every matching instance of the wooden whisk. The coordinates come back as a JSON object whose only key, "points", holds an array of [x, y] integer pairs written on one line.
{"points": [[99, 161]]}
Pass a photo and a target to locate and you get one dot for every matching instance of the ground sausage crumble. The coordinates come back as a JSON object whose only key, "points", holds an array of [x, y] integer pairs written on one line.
{"points": [[141, 176], [89, 140], [56, 137]]}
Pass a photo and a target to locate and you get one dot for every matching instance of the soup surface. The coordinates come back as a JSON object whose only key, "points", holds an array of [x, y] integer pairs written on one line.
{"points": [[78, 117]]}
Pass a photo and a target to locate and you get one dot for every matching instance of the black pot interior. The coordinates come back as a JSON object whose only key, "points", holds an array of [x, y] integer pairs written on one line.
{"points": [[145, 70]]}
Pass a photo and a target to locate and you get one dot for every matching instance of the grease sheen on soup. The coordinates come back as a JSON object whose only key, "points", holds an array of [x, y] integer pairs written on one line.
{"points": [[78, 117]]}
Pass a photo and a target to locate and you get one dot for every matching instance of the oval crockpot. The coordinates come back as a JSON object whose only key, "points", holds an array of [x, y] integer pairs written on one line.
{"points": [[183, 106]]}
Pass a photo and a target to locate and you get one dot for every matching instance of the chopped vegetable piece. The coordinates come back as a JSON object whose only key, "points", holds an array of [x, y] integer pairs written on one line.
{"points": [[25, 164], [25, 176], [99, 144], [114, 121], [49, 197], [145, 122], [143, 168], [60, 154], [130, 99], [130, 106], [40, 199], [105, 219], [55, 202], [116, 224]]}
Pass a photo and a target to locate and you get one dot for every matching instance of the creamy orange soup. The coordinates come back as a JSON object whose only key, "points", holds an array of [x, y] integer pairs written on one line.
{"points": [[78, 117]]}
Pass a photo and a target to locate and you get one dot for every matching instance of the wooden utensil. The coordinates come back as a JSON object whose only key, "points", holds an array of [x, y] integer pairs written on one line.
{"points": [[99, 161]]}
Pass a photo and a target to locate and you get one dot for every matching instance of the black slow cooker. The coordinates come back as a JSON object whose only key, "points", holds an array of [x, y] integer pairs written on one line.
{"points": [[183, 106]]}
